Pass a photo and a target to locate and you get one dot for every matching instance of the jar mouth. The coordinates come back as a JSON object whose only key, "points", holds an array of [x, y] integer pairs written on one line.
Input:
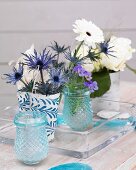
{"points": [[30, 118], [76, 91]]}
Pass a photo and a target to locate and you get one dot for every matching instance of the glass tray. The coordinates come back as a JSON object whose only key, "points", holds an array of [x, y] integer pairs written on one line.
{"points": [[78, 144]]}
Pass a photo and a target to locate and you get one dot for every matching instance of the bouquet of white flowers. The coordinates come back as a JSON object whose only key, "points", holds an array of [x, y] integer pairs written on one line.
{"points": [[103, 55]]}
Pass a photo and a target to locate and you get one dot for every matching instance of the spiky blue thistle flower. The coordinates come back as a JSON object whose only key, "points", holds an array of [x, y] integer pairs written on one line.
{"points": [[57, 77], [57, 48], [106, 48], [15, 76], [39, 61], [73, 58]]}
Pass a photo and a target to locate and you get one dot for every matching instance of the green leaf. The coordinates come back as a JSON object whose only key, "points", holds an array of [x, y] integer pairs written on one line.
{"points": [[104, 83], [28, 87]]}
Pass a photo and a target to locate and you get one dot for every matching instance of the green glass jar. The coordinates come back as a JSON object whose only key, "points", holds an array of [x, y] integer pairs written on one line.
{"points": [[77, 110]]}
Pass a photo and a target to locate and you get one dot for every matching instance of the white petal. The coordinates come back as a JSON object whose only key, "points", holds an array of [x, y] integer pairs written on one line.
{"points": [[82, 26], [12, 62], [31, 50], [122, 52]]}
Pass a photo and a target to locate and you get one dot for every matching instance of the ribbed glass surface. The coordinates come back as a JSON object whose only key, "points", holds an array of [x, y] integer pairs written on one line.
{"points": [[77, 111], [31, 143]]}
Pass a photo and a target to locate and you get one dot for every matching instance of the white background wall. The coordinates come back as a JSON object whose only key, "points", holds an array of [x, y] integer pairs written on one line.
{"points": [[23, 22]]}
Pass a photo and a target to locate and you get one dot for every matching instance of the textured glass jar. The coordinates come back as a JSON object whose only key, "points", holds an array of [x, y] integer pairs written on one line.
{"points": [[31, 143], [77, 110]]}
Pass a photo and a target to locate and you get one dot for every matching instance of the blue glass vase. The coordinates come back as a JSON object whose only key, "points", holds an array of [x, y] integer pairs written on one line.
{"points": [[77, 110], [31, 143]]}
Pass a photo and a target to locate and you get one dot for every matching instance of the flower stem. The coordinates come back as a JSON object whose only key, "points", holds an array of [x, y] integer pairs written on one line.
{"points": [[130, 68], [78, 48], [58, 59], [24, 83], [41, 73]]}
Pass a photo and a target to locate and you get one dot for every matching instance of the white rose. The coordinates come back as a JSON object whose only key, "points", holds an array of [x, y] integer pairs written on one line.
{"points": [[120, 52]]}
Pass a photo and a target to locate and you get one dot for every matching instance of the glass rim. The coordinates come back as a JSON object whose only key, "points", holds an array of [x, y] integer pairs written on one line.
{"points": [[79, 92], [38, 119]]}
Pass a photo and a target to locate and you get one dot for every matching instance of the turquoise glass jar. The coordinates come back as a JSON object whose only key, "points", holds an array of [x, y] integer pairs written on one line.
{"points": [[77, 110], [31, 143]]}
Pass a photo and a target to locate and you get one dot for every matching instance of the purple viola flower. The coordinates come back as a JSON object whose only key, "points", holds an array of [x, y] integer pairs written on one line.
{"points": [[92, 85], [57, 77], [39, 61], [88, 77], [82, 72], [78, 68], [85, 73], [17, 75]]}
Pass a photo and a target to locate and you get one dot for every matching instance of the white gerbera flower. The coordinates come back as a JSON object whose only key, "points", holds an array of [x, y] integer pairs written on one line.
{"points": [[115, 53], [88, 32]]}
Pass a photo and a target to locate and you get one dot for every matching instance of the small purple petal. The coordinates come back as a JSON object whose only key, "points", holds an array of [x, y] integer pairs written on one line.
{"points": [[77, 68], [92, 85], [82, 72]]}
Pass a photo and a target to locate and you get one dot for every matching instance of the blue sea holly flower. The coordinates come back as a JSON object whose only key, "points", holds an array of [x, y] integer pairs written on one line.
{"points": [[106, 48], [57, 77], [57, 48], [74, 59], [39, 61], [17, 75]]}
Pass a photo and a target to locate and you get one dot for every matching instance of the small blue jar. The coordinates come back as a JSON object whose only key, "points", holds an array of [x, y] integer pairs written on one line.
{"points": [[31, 143], [77, 110]]}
